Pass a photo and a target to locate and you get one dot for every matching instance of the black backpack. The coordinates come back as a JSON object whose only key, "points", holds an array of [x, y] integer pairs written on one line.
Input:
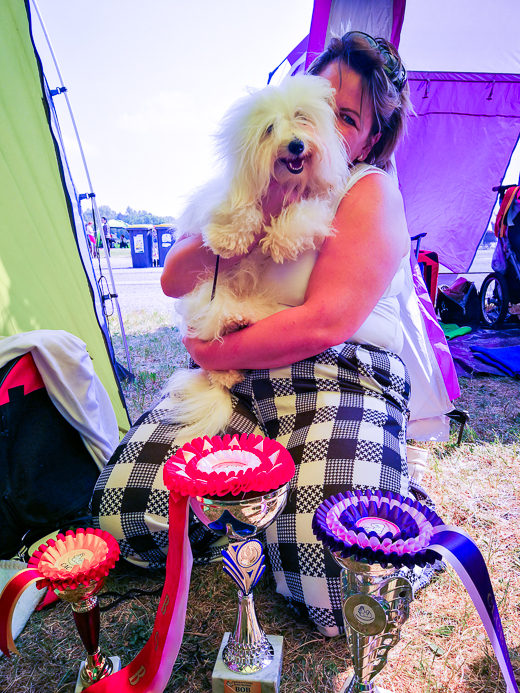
{"points": [[462, 308], [47, 474]]}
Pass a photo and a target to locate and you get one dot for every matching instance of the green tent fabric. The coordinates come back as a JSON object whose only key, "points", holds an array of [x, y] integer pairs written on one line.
{"points": [[43, 284]]}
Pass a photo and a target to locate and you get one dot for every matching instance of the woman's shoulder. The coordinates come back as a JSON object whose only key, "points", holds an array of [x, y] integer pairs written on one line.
{"points": [[370, 183], [373, 209], [372, 175], [367, 180]]}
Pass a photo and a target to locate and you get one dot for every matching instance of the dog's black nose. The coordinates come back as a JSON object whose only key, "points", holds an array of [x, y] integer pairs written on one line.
{"points": [[296, 147]]}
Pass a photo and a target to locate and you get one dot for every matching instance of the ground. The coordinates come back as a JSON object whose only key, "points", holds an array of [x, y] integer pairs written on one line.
{"points": [[443, 646]]}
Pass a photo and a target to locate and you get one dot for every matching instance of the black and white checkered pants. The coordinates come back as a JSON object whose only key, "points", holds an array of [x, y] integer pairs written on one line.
{"points": [[341, 414]]}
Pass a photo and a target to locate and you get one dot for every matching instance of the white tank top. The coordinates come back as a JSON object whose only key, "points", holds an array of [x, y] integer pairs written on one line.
{"points": [[382, 327]]}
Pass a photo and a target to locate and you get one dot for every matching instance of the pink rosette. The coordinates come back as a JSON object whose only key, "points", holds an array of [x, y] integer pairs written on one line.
{"points": [[230, 465], [75, 558]]}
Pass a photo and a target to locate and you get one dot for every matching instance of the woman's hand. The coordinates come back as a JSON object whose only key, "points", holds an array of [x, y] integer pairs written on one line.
{"points": [[194, 347], [205, 354]]}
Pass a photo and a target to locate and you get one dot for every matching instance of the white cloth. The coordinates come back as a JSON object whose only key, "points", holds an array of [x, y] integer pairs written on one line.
{"points": [[429, 401], [74, 388], [290, 280], [395, 324]]}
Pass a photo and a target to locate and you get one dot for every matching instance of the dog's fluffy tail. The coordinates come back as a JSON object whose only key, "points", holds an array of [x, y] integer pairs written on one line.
{"points": [[202, 407]]}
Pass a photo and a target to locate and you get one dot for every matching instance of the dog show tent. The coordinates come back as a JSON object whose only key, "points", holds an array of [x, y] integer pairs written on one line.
{"points": [[463, 61], [46, 275]]}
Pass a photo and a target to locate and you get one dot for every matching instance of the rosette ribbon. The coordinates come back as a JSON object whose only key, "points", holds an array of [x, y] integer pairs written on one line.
{"points": [[386, 528], [71, 560], [205, 467]]}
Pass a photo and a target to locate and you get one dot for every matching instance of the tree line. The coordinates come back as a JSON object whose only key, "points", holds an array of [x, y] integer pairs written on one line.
{"points": [[131, 216]]}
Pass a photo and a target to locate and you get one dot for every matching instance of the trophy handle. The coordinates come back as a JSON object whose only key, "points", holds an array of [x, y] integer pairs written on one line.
{"points": [[375, 606]]}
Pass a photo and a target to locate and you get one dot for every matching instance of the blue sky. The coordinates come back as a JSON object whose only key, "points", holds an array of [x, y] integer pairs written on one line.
{"points": [[149, 81]]}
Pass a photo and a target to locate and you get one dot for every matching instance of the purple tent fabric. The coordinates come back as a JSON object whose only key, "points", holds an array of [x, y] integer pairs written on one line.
{"points": [[319, 23], [397, 21], [457, 149]]}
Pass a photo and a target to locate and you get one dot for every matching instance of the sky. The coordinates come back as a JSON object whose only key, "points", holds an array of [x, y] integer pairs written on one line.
{"points": [[148, 83]]}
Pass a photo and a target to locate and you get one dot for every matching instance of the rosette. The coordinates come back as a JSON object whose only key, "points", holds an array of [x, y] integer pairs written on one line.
{"points": [[72, 559], [377, 527], [229, 465], [75, 558]]}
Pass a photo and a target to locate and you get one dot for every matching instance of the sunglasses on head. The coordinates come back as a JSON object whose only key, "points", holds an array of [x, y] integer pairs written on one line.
{"points": [[395, 71]]}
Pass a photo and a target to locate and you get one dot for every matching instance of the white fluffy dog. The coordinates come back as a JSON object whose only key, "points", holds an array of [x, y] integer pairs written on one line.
{"points": [[286, 136]]}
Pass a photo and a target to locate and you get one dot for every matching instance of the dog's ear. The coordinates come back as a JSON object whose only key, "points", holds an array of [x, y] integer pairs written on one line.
{"points": [[244, 146]]}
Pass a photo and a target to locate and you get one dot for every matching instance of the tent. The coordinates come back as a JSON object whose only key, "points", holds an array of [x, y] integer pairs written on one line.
{"points": [[464, 69], [463, 61], [46, 276]]}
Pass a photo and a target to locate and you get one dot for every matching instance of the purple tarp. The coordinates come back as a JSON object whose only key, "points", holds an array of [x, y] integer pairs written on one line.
{"points": [[457, 149]]}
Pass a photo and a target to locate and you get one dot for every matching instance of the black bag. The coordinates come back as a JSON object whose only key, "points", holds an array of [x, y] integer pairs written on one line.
{"points": [[459, 304], [47, 474]]}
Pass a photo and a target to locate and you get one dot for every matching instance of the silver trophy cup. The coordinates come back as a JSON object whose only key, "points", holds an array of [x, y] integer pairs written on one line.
{"points": [[375, 606], [248, 650]]}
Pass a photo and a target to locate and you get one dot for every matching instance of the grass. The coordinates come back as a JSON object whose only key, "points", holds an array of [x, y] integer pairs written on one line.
{"points": [[443, 646]]}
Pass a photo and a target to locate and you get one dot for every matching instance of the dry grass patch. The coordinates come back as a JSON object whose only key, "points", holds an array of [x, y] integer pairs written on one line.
{"points": [[443, 646]]}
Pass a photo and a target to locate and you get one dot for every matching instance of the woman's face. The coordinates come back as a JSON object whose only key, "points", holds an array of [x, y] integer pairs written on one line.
{"points": [[354, 111]]}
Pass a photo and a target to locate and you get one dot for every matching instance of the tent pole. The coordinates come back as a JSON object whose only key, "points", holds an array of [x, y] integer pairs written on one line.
{"points": [[63, 90], [109, 266]]}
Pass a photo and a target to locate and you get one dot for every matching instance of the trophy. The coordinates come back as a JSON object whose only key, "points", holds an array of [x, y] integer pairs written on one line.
{"points": [[371, 536], [242, 487], [247, 650], [75, 565]]}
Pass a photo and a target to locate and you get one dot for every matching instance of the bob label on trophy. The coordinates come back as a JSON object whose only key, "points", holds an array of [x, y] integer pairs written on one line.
{"points": [[242, 687]]}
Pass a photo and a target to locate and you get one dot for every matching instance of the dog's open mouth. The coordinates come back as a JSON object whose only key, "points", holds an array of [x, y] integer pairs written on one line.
{"points": [[294, 165]]}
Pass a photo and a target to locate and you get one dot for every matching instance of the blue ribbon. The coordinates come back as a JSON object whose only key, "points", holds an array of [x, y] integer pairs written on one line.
{"points": [[459, 549]]}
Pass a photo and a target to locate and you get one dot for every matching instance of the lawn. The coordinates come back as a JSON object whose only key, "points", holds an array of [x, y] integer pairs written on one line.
{"points": [[443, 647]]}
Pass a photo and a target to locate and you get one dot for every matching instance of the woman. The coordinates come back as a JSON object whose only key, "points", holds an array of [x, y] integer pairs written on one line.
{"points": [[340, 407]]}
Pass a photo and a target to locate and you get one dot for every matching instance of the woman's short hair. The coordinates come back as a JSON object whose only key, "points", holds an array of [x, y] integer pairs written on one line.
{"points": [[383, 77]]}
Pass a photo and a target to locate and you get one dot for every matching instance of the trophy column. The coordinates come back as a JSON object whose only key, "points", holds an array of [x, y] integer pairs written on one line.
{"points": [[85, 609], [75, 566], [375, 606], [238, 486], [249, 661]]}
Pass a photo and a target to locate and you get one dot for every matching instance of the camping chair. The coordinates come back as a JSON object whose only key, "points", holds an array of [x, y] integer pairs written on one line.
{"points": [[428, 261]]}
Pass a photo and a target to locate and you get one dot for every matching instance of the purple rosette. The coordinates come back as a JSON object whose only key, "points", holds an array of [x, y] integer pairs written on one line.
{"points": [[377, 527]]}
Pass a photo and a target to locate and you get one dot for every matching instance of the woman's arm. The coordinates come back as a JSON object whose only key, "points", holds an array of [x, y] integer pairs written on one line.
{"points": [[352, 272]]}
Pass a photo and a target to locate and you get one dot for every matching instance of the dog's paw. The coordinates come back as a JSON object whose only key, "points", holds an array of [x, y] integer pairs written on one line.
{"points": [[225, 378], [281, 249], [224, 241]]}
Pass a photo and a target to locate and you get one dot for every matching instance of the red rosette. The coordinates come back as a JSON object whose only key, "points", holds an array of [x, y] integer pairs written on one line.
{"points": [[75, 558], [230, 465]]}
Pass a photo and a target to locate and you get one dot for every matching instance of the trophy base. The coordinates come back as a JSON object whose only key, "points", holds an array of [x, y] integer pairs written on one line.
{"points": [[80, 686], [350, 687], [265, 681]]}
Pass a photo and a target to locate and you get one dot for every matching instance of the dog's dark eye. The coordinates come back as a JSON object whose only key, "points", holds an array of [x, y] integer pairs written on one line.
{"points": [[269, 130]]}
